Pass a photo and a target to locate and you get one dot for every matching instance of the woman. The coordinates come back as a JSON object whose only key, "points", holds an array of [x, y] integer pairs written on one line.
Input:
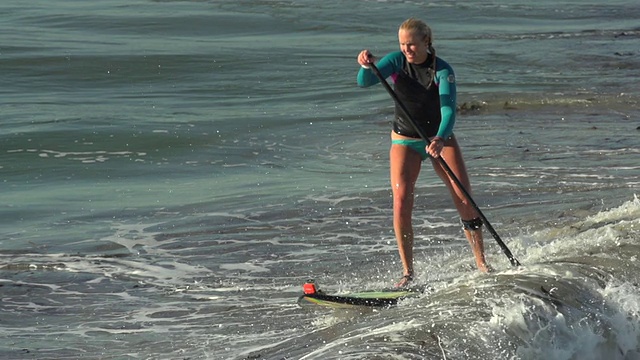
{"points": [[425, 84]]}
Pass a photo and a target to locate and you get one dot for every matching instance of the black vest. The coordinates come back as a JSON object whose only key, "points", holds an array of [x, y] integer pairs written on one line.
{"points": [[422, 103]]}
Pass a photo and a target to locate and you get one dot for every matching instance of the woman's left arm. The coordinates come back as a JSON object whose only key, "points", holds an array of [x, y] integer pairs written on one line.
{"points": [[446, 81]]}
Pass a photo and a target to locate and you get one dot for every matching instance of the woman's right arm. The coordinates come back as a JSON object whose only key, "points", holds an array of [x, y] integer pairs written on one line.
{"points": [[387, 66]]}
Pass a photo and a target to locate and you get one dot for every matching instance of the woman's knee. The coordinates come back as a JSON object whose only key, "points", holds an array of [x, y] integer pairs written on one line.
{"points": [[402, 201]]}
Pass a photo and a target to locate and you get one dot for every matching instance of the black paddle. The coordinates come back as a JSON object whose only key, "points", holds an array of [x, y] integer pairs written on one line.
{"points": [[446, 167]]}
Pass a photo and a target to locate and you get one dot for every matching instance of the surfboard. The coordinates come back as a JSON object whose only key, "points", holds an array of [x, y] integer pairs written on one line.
{"points": [[370, 298]]}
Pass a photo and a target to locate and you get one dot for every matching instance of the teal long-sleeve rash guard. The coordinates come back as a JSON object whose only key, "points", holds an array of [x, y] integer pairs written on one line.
{"points": [[432, 107]]}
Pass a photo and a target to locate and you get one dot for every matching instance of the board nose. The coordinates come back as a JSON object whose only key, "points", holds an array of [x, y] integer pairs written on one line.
{"points": [[309, 287]]}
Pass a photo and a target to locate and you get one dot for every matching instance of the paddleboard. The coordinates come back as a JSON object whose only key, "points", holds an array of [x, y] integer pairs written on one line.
{"points": [[371, 298]]}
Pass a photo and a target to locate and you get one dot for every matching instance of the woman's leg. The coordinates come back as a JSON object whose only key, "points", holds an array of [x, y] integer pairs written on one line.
{"points": [[404, 168], [452, 155]]}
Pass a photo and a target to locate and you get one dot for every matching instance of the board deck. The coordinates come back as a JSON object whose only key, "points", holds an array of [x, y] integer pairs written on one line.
{"points": [[374, 298]]}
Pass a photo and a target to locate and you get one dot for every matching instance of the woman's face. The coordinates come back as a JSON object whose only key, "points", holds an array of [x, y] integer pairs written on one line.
{"points": [[413, 46]]}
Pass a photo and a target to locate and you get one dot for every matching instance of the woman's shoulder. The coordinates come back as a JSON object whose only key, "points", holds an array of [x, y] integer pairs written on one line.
{"points": [[394, 56], [441, 64]]}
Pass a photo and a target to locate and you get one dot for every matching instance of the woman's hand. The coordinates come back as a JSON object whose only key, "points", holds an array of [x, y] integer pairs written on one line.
{"points": [[365, 58], [435, 147]]}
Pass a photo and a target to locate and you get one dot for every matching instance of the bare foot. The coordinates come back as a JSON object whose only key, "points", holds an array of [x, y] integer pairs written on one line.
{"points": [[484, 267], [404, 282]]}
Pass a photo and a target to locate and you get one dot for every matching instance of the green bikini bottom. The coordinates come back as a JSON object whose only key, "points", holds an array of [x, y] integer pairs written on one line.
{"points": [[418, 145]]}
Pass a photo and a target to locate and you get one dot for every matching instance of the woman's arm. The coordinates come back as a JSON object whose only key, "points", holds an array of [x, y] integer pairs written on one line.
{"points": [[446, 80], [388, 65]]}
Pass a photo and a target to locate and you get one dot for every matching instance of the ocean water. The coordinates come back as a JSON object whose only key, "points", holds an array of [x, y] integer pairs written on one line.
{"points": [[173, 171]]}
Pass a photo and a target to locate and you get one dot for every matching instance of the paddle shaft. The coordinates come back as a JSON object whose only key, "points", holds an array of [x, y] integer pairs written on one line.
{"points": [[446, 167]]}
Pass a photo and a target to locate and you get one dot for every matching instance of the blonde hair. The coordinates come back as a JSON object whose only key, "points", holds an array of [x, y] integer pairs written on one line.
{"points": [[419, 27]]}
